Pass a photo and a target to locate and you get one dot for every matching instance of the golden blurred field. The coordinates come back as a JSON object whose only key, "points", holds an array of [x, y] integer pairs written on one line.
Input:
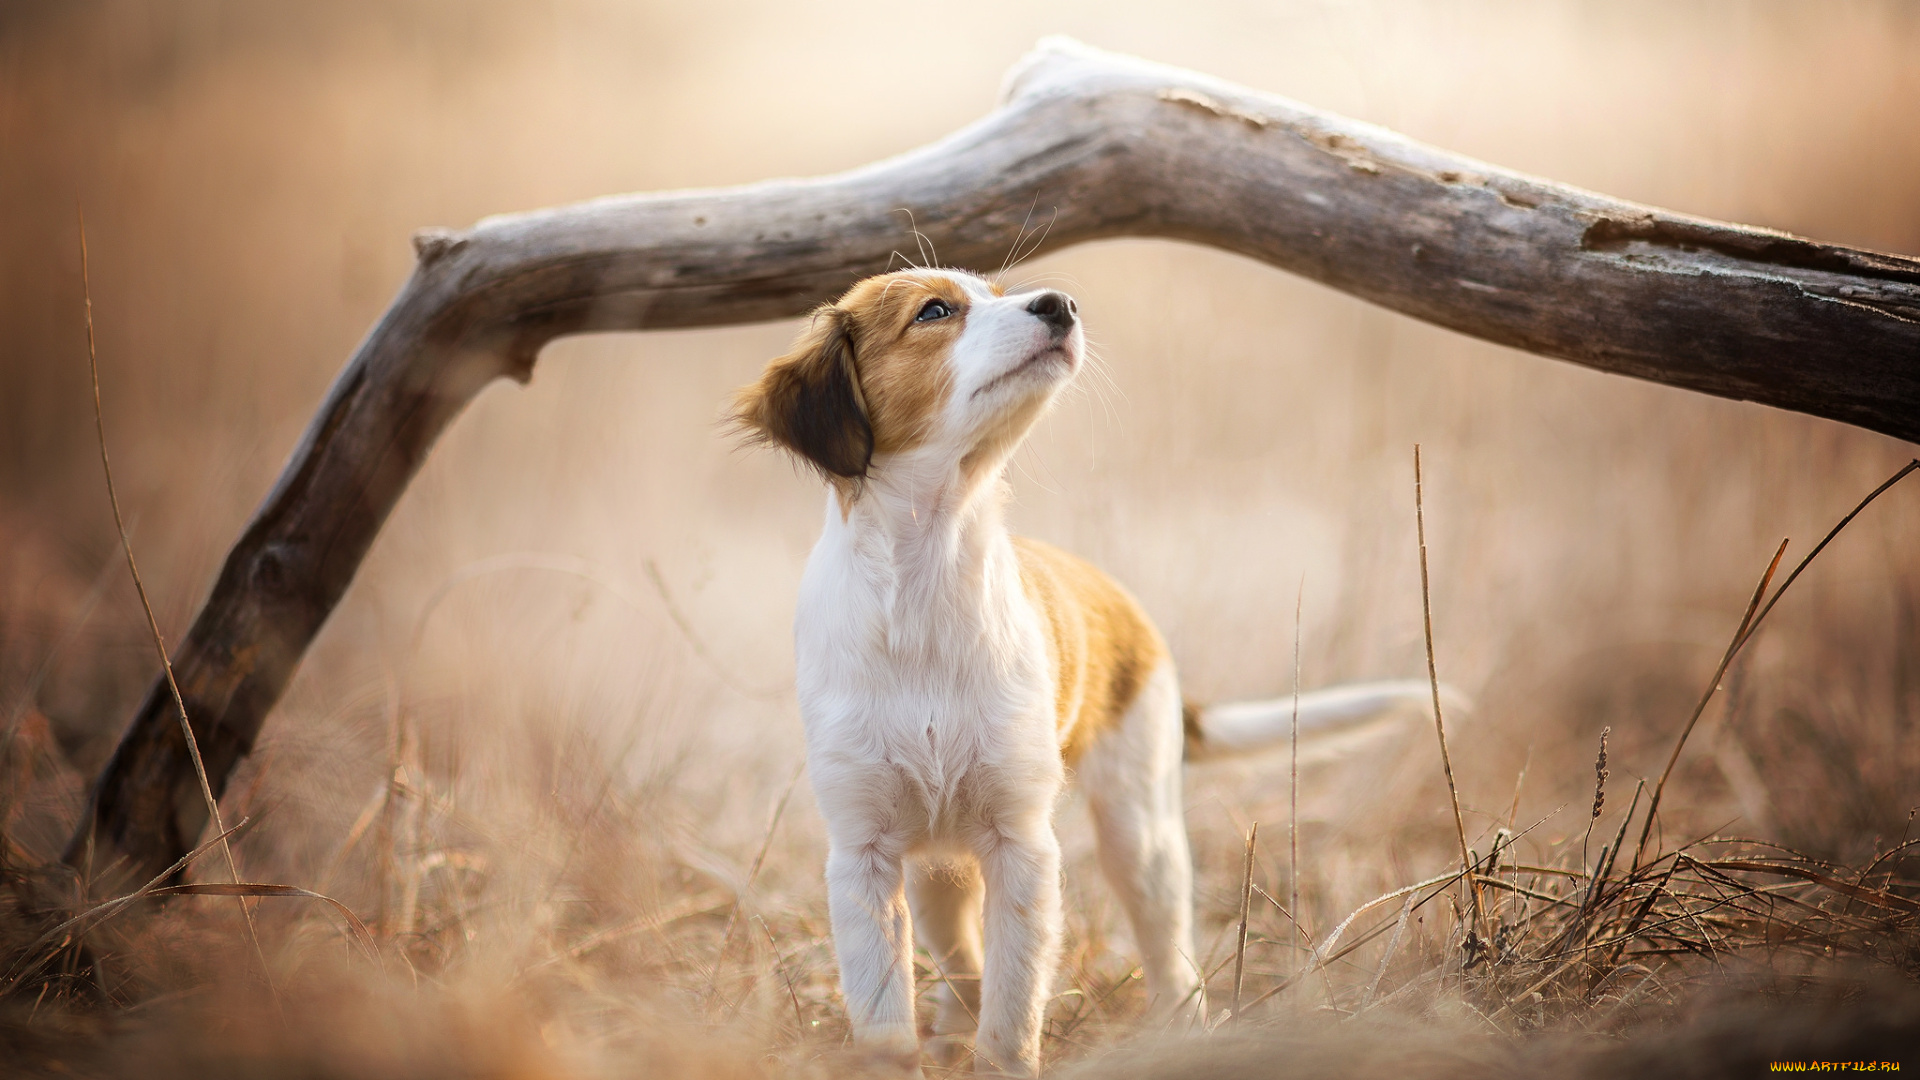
{"points": [[572, 636]]}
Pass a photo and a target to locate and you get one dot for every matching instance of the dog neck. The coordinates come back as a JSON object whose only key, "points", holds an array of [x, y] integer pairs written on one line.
{"points": [[932, 535]]}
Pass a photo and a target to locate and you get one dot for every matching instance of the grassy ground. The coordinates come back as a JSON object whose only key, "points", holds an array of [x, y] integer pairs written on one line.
{"points": [[545, 747]]}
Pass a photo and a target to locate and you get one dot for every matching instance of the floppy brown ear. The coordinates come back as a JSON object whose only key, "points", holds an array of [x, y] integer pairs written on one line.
{"points": [[809, 401]]}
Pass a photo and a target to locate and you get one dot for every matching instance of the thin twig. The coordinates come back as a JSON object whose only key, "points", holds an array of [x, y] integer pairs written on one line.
{"points": [[1293, 763], [692, 637], [1433, 679], [1713, 687], [1304, 936], [88, 919], [1386, 957], [1513, 808], [153, 624], [1246, 906], [753, 873], [1748, 627], [1496, 882], [959, 999], [1640, 915], [780, 965], [702, 904], [1600, 774], [1828, 539], [356, 930], [1322, 956], [1097, 1004], [1610, 855]]}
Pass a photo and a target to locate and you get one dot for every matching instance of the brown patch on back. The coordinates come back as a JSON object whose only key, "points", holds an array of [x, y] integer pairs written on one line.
{"points": [[1101, 645]]}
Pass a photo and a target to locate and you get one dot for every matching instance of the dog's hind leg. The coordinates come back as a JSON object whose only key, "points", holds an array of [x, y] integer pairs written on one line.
{"points": [[946, 899], [1132, 778]]}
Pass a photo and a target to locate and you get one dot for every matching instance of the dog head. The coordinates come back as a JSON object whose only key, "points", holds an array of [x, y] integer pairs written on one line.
{"points": [[932, 364]]}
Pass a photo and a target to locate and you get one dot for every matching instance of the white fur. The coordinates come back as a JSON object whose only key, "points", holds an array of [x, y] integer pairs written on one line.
{"points": [[927, 698], [928, 702], [1331, 721]]}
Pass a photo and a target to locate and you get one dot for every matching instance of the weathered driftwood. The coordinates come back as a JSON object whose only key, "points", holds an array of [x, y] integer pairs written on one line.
{"points": [[1116, 147]]}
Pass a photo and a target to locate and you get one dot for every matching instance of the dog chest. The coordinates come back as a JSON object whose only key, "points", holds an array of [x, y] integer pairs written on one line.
{"points": [[941, 699]]}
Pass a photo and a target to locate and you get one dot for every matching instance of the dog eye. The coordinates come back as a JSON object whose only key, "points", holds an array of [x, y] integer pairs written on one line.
{"points": [[934, 309]]}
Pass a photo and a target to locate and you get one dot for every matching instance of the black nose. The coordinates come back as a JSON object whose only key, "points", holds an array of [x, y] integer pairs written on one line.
{"points": [[1056, 309]]}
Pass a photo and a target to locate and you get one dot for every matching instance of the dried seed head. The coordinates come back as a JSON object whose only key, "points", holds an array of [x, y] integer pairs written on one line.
{"points": [[1600, 774]]}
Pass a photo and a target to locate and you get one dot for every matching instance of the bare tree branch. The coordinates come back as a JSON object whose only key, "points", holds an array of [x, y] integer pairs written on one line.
{"points": [[1120, 147]]}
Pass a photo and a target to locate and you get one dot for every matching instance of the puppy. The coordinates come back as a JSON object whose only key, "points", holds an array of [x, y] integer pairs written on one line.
{"points": [[951, 675]]}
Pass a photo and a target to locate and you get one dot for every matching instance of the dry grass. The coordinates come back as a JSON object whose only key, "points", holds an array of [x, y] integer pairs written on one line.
{"points": [[543, 746], [499, 957]]}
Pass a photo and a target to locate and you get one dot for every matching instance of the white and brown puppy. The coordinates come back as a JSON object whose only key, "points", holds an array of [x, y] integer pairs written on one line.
{"points": [[950, 674]]}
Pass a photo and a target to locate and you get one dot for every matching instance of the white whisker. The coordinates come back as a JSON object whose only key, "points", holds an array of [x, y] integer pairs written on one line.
{"points": [[1008, 262]]}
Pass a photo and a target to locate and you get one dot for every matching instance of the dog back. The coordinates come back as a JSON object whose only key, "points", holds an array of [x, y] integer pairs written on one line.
{"points": [[1100, 644]]}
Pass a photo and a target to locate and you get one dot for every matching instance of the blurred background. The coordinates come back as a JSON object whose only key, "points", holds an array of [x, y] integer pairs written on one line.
{"points": [[574, 631]]}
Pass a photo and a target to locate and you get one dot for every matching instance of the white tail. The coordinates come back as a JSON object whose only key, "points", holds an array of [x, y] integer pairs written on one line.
{"points": [[1332, 721]]}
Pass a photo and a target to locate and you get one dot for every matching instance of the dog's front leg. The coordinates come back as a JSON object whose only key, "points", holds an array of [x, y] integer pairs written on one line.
{"points": [[873, 939], [1022, 912]]}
